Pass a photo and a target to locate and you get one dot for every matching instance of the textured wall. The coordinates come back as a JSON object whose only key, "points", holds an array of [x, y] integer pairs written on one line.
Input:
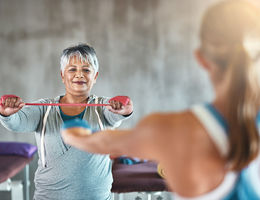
{"points": [[145, 49]]}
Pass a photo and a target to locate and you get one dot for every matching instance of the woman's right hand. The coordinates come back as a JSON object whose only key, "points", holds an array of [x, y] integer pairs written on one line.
{"points": [[10, 104]]}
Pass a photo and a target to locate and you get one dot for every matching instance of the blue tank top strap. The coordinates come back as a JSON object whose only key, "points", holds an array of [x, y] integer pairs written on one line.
{"points": [[218, 116], [215, 125], [258, 121]]}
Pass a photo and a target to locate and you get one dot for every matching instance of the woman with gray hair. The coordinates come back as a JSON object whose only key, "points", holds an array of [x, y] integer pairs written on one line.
{"points": [[64, 172]]}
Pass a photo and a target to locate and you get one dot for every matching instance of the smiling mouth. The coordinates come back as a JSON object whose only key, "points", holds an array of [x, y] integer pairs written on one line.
{"points": [[80, 82]]}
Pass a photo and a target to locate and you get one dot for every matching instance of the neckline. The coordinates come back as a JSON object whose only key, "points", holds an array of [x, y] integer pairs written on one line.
{"points": [[62, 113]]}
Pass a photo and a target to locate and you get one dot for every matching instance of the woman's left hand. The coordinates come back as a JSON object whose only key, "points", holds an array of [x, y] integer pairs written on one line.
{"points": [[118, 108]]}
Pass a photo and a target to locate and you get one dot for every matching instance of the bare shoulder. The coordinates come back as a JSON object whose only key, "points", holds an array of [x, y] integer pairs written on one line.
{"points": [[175, 131], [169, 130], [169, 122]]}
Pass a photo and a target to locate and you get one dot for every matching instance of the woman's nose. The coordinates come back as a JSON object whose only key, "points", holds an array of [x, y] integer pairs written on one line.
{"points": [[79, 73]]}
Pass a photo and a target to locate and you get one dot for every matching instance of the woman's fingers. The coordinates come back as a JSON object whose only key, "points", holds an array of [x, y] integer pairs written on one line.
{"points": [[116, 105], [10, 104]]}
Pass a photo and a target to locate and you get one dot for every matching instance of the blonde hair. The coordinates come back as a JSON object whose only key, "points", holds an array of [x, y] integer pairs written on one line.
{"points": [[225, 28]]}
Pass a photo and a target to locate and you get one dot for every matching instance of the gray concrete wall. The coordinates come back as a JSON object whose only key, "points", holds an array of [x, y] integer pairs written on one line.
{"points": [[145, 49]]}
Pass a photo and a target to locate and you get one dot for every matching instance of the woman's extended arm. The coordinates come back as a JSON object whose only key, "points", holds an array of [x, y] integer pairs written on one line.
{"points": [[15, 117], [139, 142]]}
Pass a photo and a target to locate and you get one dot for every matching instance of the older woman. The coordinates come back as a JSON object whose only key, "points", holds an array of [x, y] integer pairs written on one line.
{"points": [[211, 151], [64, 172]]}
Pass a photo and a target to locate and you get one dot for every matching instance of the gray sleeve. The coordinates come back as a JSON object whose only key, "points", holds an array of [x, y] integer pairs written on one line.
{"points": [[25, 120]]}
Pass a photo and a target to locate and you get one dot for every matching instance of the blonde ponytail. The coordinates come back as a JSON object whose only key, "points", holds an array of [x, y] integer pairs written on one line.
{"points": [[243, 107]]}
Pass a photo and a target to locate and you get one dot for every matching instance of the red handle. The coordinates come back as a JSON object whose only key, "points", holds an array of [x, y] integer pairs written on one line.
{"points": [[123, 99]]}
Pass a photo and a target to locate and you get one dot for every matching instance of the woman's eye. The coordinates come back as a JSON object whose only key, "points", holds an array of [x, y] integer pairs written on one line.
{"points": [[86, 70], [72, 70]]}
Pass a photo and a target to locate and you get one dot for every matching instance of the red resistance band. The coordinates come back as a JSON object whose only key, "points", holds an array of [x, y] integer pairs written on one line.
{"points": [[122, 99]]}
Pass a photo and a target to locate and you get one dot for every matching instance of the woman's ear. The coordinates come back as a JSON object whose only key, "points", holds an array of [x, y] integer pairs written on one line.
{"points": [[202, 60], [95, 78], [62, 77]]}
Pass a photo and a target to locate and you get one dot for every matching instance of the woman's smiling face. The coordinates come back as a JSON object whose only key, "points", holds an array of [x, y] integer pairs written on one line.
{"points": [[78, 77]]}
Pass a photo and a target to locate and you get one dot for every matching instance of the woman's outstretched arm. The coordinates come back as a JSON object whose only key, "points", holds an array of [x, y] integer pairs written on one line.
{"points": [[137, 142]]}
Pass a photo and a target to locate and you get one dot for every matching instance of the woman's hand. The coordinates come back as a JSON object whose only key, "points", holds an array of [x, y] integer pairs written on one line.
{"points": [[10, 104], [118, 108]]}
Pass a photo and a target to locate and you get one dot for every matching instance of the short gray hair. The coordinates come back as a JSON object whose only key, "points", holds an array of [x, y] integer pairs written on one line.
{"points": [[84, 52]]}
